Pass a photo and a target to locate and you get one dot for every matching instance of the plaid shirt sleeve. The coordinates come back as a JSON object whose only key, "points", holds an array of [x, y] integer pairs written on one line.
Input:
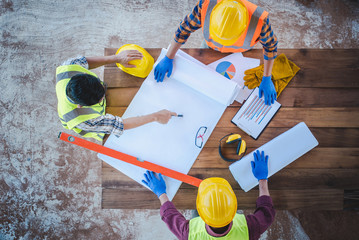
{"points": [[269, 41], [190, 23], [79, 60], [108, 124]]}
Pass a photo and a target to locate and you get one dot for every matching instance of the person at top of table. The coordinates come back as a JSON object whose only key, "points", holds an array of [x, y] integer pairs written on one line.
{"points": [[228, 26]]}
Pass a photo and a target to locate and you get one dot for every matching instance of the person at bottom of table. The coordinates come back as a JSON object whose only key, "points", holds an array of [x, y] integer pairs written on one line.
{"points": [[217, 208]]}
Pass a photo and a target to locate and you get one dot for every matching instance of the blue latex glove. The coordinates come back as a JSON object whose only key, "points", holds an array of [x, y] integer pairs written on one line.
{"points": [[260, 165], [165, 65], [158, 186], [267, 89]]}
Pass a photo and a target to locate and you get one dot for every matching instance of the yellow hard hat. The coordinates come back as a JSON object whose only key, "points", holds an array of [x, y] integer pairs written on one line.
{"points": [[229, 19], [216, 202], [143, 66]]}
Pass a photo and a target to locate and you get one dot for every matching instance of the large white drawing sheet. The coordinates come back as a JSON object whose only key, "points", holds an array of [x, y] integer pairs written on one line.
{"points": [[192, 90]]}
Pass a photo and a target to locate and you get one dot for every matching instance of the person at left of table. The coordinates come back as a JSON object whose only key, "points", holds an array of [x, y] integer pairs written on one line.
{"points": [[81, 98]]}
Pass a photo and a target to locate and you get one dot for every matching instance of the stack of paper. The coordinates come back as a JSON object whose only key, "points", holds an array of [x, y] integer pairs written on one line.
{"points": [[233, 67]]}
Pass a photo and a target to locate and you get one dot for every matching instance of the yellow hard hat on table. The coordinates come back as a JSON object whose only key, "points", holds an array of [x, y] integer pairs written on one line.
{"points": [[143, 66], [229, 19], [216, 202]]}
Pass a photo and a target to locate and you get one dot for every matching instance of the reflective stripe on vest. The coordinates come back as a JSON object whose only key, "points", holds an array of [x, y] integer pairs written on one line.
{"points": [[64, 75], [79, 111], [252, 27], [254, 20], [97, 136], [69, 114], [239, 230]]}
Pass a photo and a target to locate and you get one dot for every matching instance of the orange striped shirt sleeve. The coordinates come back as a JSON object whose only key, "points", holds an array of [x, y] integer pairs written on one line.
{"points": [[190, 23], [268, 40]]}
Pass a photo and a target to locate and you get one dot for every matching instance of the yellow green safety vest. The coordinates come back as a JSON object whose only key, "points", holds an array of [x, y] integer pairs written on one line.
{"points": [[239, 230], [70, 115]]}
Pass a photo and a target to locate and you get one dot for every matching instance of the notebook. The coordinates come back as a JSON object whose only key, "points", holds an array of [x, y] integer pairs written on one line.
{"points": [[254, 115]]}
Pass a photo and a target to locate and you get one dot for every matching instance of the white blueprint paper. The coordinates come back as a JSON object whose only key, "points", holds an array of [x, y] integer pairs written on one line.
{"points": [[281, 150], [192, 90], [240, 64]]}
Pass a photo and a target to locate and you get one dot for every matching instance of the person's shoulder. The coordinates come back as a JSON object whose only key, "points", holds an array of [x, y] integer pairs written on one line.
{"points": [[264, 200], [78, 60]]}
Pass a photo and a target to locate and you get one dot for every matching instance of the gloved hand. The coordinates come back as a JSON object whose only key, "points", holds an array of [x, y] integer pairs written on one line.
{"points": [[267, 89], [260, 165], [282, 73], [165, 65], [158, 186]]}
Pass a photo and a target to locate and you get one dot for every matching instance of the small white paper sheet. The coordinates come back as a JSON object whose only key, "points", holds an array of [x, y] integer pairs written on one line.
{"points": [[254, 115], [281, 151], [233, 67], [193, 90]]}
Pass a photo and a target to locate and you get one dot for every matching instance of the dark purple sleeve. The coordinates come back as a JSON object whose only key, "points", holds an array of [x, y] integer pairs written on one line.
{"points": [[262, 218], [175, 221]]}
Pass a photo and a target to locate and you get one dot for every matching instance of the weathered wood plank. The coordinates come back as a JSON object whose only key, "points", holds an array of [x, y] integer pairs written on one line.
{"points": [[322, 199], [117, 111], [288, 178], [284, 179], [285, 117], [316, 71], [317, 97], [320, 97], [116, 78], [120, 97], [318, 158], [313, 117], [328, 199], [291, 97], [327, 137]]}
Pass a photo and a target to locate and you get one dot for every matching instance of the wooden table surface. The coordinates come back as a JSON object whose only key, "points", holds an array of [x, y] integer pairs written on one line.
{"points": [[324, 94]]}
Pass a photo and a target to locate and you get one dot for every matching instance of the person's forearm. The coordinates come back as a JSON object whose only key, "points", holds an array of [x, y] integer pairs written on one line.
{"points": [[108, 124], [268, 66], [95, 62], [173, 49], [263, 188], [134, 122], [163, 198]]}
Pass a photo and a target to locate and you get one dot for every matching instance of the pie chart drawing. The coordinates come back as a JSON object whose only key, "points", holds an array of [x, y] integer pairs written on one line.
{"points": [[226, 69]]}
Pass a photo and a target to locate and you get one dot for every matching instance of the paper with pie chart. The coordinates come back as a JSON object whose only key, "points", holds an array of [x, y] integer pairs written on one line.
{"points": [[233, 67], [227, 69]]}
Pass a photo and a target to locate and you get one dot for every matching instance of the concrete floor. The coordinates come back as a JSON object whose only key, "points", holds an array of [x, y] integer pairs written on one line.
{"points": [[51, 190]]}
